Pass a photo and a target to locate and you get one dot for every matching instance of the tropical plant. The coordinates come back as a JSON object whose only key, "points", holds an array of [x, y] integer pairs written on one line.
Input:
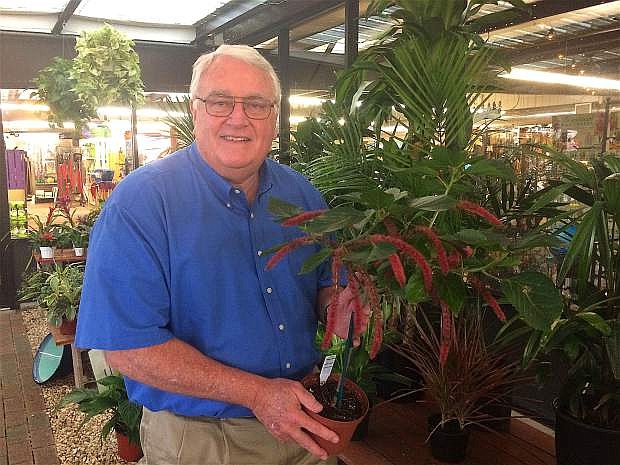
{"points": [[179, 119], [587, 332], [60, 294], [42, 233], [475, 375], [107, 69], [56, 86], [125, 415]]}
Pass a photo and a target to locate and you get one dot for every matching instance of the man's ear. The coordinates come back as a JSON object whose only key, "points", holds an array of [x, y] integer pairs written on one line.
{"points": [[193, 104]]}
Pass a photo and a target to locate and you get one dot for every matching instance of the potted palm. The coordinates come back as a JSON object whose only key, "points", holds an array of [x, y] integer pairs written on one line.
{"points": [[587, 333], [124, 415]]}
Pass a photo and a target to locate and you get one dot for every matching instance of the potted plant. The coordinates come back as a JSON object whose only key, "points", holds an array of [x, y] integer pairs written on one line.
{"points": [[587, 333], [125, 415], [79, 237], [42, 235], [60, 295]]}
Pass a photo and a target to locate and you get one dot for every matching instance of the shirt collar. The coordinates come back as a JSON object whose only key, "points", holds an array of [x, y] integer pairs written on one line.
{"points": [[220, 186]]}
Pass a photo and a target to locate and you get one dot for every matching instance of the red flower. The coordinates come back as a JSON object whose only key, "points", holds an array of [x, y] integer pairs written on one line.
{"points": [[302, 217], [432, 236], [475, 209], [398, 270], [285, 250], [488, 297]]}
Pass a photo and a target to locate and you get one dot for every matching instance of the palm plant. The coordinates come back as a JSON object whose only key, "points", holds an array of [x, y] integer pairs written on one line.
{"points": [[179, 119]]}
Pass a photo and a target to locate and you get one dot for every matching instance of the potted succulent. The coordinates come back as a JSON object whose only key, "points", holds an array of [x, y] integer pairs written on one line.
{"points": [[60, 296], [587, 333], [125, 415]]}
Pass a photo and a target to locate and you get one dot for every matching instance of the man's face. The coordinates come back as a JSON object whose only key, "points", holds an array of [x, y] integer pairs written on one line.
{"points": [[235, 146]]}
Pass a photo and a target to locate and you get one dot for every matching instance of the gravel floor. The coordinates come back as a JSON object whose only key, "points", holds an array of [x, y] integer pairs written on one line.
{"points": [[75, 445]]}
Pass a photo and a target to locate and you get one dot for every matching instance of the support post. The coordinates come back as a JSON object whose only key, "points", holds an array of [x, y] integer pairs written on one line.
{"points": [[285, 108], [351, 31], [605, 126], [135, 161]]}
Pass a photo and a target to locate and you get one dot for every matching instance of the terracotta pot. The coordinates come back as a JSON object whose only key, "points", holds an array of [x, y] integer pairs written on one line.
{"points": [[67, 327], [128, 451], [344, 429]]}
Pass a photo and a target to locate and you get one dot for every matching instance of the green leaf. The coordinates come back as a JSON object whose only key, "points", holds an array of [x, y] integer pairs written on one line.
{"points": [[489, 167], [549, 196], [380, 251], [596, 321], [334, 219], [453, 291], [433, 203], [281, 209], [535, 297], [414, 290], [611, 189], [471, 236], [315, 260]]}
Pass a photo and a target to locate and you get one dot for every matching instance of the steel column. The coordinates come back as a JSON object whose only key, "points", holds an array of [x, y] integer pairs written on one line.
{"points": [[285, 108]]}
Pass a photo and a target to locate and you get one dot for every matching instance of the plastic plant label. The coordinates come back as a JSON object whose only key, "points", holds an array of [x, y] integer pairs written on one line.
{"points": [[326, 369]]}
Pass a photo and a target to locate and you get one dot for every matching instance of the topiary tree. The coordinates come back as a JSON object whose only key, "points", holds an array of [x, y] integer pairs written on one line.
{"points": [[107, 69], [56, 88]]}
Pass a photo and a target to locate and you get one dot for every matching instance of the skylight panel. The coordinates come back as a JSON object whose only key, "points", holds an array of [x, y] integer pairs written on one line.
{"points": [[33, 6]]}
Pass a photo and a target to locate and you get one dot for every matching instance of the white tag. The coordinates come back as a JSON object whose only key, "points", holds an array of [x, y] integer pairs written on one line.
{"points": [[327, 368]]}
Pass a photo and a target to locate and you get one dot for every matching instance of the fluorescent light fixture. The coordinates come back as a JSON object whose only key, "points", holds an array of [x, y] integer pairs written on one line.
{"points": [[24, 106], [303, 101], [539, 115], [521, 74]]}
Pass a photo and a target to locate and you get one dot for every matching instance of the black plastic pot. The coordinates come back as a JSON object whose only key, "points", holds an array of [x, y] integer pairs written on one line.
{"points": [[448, 444], [577, 443]]}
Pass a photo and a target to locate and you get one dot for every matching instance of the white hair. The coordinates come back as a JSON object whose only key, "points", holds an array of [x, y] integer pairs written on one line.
{"points": [[244, 53]]}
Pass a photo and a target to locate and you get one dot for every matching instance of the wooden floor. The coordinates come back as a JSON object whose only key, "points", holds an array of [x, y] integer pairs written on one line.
{"points": [[398, 432]]}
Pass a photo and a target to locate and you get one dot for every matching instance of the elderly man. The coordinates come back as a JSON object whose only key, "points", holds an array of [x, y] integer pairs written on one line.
{"points": [[177, 294]]}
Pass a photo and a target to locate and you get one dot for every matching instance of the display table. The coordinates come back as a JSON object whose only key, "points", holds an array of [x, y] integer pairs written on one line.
{"points": [[398, 432], [76, 354], [60, 256]]}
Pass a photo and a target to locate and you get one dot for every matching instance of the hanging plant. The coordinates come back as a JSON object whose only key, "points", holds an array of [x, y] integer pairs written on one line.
{"points": [[56, 88], [107, 69]]}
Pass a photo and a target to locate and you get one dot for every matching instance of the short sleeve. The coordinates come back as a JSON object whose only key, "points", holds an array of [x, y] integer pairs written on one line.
{"points": [[125, 300]]}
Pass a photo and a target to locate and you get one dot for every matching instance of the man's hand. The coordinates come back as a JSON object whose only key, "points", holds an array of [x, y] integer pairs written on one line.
{"points": [[346, 306], [278, 406]]}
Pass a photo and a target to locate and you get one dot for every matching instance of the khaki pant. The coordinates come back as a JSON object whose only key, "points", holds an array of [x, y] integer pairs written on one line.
{"points": [[169, 439]]}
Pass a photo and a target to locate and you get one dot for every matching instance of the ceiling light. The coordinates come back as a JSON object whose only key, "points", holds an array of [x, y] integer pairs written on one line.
{"points": [[521, 74]]}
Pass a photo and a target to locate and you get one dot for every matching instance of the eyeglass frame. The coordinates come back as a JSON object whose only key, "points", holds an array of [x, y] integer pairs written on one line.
{"points": [[235, 100]]}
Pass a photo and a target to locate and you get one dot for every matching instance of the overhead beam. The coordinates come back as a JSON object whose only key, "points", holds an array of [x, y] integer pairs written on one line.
{"points": [[542, 9], [585, 43], [226, 16], [64, 16], [264, 21]]}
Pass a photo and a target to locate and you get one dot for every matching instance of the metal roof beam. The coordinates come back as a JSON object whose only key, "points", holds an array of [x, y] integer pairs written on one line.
{"points": [[64, 16]]}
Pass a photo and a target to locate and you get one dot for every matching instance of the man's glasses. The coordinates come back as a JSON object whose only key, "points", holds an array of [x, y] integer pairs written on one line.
{"points": [[223, 105]]}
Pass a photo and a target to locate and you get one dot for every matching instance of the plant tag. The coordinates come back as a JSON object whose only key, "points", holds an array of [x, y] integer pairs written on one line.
{"points": [[326, 369]]}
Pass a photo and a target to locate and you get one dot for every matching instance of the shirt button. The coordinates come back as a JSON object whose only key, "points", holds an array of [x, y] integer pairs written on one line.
{"points": [[281, 327], [228, 205], [269, 290], [259, 253], [288, 365], [237, 191], [251, 214]]}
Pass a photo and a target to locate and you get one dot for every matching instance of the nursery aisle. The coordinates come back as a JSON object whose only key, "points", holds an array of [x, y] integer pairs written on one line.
{"points": [[75, 445]]}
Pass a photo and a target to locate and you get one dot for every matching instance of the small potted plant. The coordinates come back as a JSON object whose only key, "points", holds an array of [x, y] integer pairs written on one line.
{"points": [[79, 238], [60, 295], [42, 235], [125, 415]]}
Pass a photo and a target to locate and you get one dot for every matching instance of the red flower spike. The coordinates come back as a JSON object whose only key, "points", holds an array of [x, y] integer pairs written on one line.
{"points": [[454, 259], [411, 252], [330, 323], [488, 297], [447, 330], [398, 270], [478, 210], [468, 251], [357, 302], [373, 298], [285, 250], [432, 236], [302, 217]]}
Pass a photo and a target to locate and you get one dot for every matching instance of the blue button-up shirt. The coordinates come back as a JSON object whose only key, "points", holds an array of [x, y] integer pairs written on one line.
{"points": [[179, 252]]}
